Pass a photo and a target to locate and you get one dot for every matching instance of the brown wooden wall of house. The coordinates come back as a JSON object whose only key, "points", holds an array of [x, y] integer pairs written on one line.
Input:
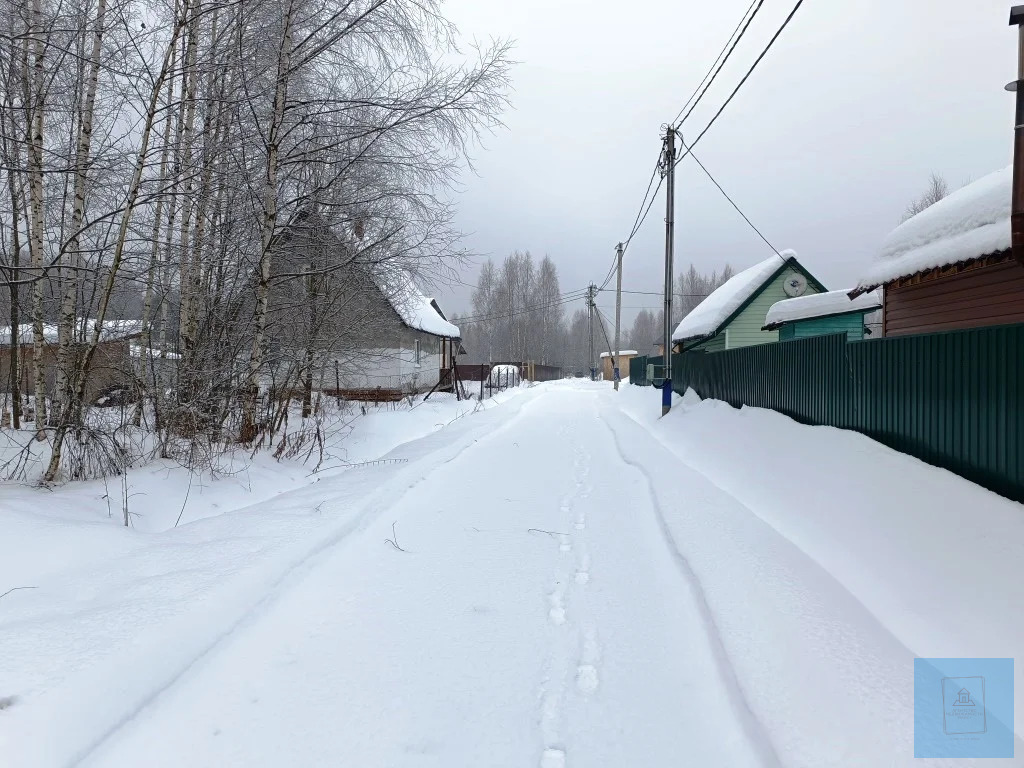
{"points": [[989, 295], [111, 365]]}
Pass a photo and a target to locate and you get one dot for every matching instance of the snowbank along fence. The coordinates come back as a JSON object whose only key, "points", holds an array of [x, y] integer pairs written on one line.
{"points": [[953, 399]]}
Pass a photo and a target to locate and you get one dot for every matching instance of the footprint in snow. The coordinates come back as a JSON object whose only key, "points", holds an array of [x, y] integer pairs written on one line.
{"points": [[557, 612], [586, 678], [553, 758]]}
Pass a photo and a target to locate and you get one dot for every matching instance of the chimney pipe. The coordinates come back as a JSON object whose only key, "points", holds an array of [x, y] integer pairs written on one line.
{"points": [[1017, 209]]}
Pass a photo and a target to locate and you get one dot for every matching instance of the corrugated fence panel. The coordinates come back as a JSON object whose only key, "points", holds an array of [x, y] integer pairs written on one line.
{"points": [[953, 399], [638, 370]]}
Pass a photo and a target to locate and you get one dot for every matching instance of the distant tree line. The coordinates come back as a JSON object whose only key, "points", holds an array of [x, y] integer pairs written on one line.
{"points": [[519, 313]]}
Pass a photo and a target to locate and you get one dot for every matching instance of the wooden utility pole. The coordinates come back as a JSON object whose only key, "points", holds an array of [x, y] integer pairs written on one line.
{"points": [[618, 315], [591, 290], [668, 169]]}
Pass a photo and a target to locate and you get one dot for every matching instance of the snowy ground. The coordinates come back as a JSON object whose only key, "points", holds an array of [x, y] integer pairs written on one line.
{"points": [[559, 580]]}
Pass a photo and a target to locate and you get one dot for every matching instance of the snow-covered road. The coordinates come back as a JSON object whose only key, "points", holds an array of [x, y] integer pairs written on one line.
{"points": [[536, 617], [542, 584]]}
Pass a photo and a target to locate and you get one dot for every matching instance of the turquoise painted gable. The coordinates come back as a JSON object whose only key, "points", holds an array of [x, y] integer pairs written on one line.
{"points": [[851, 323]]}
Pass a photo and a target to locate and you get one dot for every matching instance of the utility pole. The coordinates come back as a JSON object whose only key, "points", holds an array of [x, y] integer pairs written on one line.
{"points": [[668, 170], [618, 314], [591, 290]]}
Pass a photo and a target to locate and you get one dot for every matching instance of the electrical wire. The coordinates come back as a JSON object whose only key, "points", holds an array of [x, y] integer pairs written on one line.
{"points": [[642, 216], [638, 306], [733, 202], [677, 122], [750, 71], [662, 293], [523, 310], [565, 299], [706, 83]]}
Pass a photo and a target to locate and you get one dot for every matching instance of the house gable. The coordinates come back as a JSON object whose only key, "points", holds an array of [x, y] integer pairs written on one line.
{"points": [[745, 327], [745, 322]]}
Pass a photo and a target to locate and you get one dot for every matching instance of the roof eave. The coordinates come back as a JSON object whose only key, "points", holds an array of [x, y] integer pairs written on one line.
{"points": [[429, 333], [1005, 253], [860, 290], [859, 311]]}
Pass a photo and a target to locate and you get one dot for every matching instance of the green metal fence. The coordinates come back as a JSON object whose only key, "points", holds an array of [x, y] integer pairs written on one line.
{"points": [[953, 399], [638, 369]]}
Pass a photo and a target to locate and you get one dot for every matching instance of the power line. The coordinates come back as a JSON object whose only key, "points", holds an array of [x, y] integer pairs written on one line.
{"points": [[639, 306], [750, 71], [522, 310], [662, 293], [677, 122], [639, 221], [733, 202], [642, 215], [608, 277], [564, 299]]}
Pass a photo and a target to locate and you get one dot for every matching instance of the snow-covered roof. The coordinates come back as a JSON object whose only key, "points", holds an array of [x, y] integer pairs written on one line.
{"points": [[708, 316], [112, 330], [820, 305], [970, 223], [137, 350], [416, 310], [621, 352]]}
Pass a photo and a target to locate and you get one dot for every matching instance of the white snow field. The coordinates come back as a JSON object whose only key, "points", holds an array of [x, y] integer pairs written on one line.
{"points": [[561, 580]]}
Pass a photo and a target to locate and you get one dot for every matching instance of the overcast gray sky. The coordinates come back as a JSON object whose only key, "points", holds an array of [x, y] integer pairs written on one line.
{"points": [[830, 138]]}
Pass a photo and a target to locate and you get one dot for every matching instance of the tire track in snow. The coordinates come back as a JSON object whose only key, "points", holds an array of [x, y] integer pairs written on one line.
{"points": [[309, 561], [753, 729]]}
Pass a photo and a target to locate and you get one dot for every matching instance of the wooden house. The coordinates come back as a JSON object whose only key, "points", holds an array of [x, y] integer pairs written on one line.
{"points": [[369, 329], [951, 266], [734, 314], [819, 314], [113, 364], [411, 346]]}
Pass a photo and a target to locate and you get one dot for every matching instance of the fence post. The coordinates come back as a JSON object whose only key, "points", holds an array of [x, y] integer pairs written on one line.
{"points": [[337, 383]]}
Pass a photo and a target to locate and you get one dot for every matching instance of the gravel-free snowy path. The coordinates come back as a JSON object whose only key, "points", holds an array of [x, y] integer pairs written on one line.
{"points": [[536, 617], [547, 584]]}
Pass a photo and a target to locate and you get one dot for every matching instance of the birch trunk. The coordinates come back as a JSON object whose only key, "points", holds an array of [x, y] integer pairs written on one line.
{"points": [[67, 368], [172, 213], [185, 281], [12, 160], [107, 291], [35, 239], [250, 394], [147, 374]]}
